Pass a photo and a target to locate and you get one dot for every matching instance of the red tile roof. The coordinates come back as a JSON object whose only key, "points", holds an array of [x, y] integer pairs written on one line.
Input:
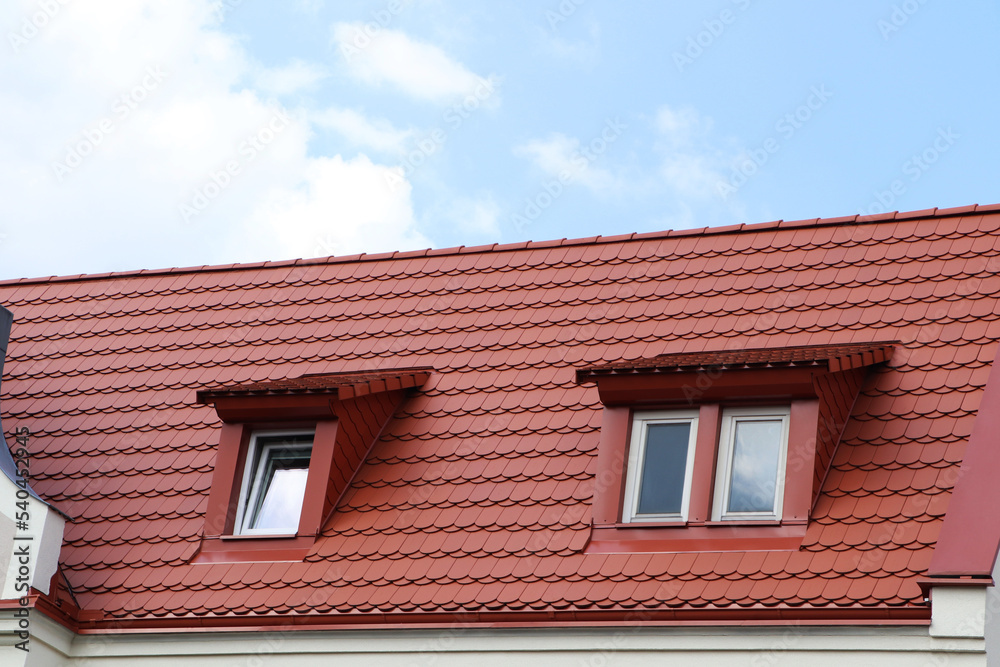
{"points": [[476, 499]]}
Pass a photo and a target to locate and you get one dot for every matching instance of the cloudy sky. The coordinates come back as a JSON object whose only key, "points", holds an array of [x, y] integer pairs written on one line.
{"points": [[155, 133]]}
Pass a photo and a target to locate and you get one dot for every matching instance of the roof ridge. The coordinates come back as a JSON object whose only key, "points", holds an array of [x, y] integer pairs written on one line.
{"points": [[520, 245]]}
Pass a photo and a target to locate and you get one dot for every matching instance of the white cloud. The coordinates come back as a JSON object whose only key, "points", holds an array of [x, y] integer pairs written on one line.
{"points": [[118, 114], [311, 7], [691, 163], [693, 175], [681, 126], [359, 130], [695, 160], [344, 204], [586, 51], [421, 70], [476, 215], [564, 158], [291, 78]]}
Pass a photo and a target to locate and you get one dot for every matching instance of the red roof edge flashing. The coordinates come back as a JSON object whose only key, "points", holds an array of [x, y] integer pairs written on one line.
{"points": [[970, 537], [927, 583]]}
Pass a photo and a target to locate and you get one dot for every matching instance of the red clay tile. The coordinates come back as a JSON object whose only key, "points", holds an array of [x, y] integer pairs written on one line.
{"points": [[886, 588]]}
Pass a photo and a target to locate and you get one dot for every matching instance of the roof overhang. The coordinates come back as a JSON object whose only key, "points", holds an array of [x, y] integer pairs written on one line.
{"points": [[778, 372], [308, 397]]}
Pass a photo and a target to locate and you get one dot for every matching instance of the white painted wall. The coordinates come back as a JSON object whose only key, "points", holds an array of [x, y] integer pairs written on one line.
{"points": [[958, 611], [49, 643], [993, 619], [551, 647]]}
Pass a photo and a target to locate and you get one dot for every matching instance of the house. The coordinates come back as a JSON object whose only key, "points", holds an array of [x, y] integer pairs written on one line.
{"points": [[768, 444]]}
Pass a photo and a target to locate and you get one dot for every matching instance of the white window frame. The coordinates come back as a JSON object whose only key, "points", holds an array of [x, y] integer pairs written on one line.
{"points": [[637, 458], [723, 475], [248, 496]]}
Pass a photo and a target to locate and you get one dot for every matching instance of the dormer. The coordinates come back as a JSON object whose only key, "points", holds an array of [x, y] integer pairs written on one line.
{"points": [[708, 450], [288, 449]]}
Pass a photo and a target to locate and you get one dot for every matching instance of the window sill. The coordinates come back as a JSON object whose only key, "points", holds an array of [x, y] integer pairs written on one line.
{"points": [[705, 536], [730, 523], [254, 548]]}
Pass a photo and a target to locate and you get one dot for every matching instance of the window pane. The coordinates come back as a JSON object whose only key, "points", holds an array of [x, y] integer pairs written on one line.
{"points": [[277, 488], [661, 489], [282, 502], [756, 452]]}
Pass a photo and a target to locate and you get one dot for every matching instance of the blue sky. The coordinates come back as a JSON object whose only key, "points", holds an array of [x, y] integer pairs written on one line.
{"points": [[149, 134]]}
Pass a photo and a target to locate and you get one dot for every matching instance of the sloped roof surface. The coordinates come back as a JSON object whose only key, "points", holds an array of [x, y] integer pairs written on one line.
{"points": [[477, 497]]}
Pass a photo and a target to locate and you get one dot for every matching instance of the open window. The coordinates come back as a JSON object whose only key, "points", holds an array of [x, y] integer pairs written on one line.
{"points": [[274, 483]]}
